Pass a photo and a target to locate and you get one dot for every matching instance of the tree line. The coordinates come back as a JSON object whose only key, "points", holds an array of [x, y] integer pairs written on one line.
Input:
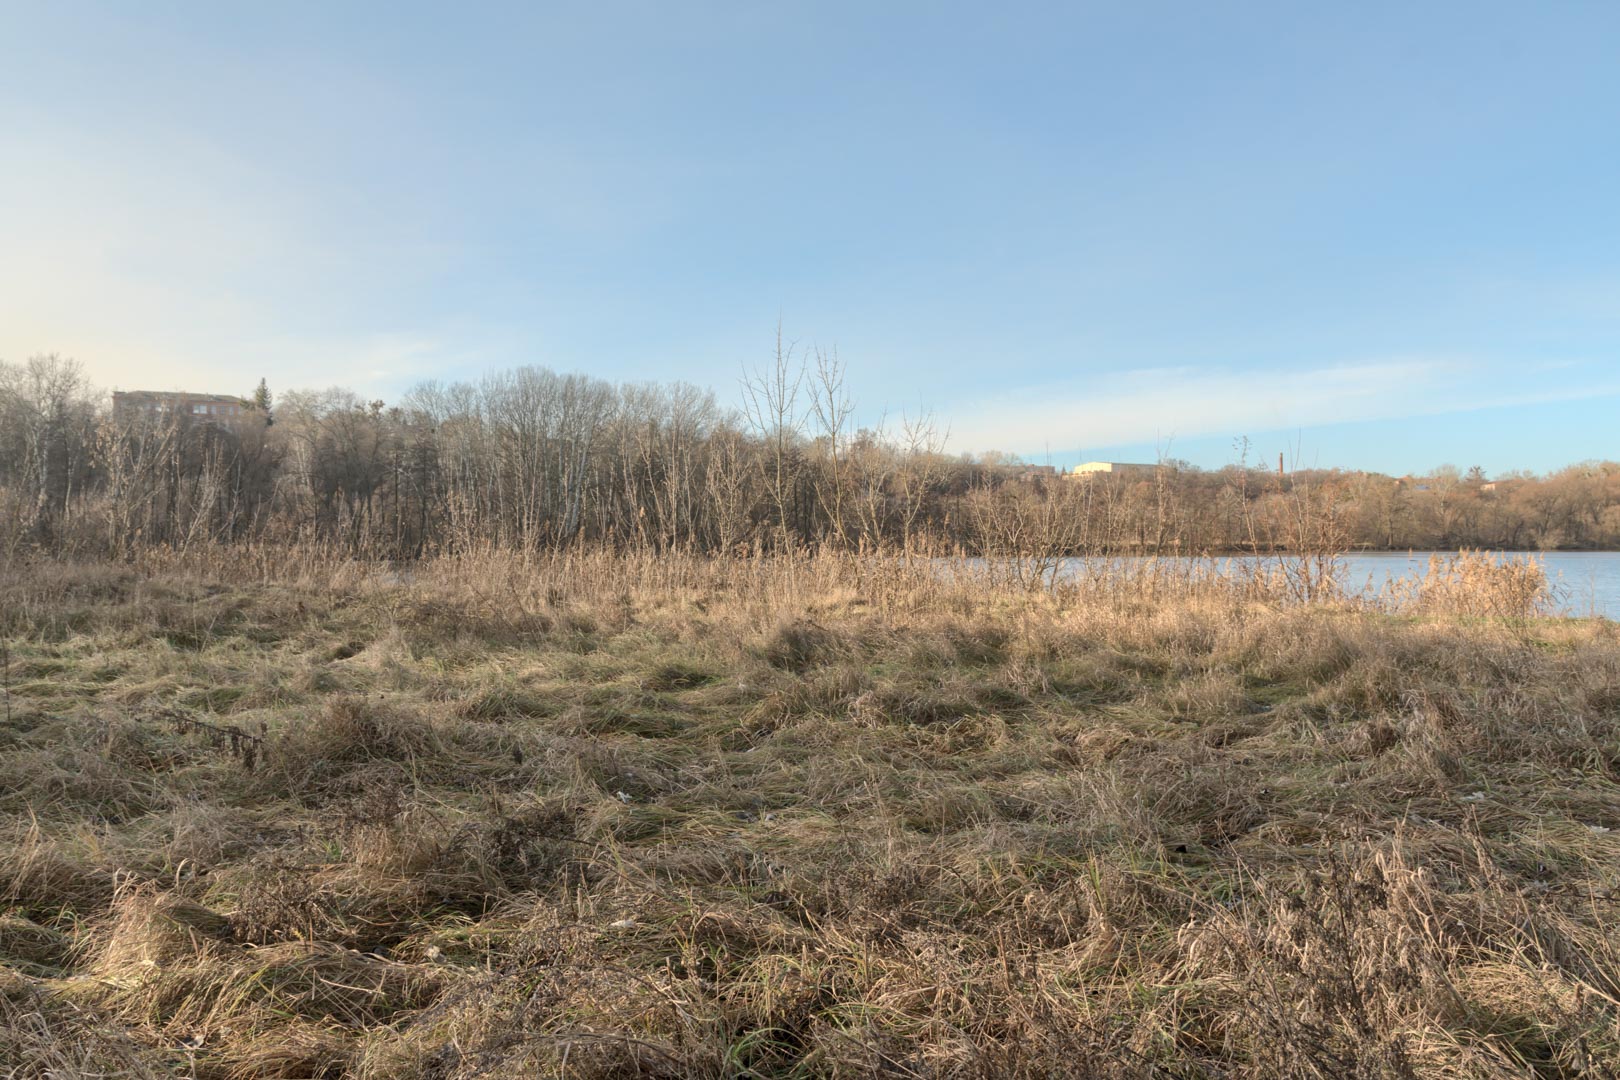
{"points": [[533, 458]]}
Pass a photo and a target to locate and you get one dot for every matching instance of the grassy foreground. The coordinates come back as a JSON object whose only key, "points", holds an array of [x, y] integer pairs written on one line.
{"points": [[498, 820]]}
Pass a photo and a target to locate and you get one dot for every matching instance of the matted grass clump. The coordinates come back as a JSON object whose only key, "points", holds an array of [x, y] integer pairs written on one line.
{"points": [[600, 818]]}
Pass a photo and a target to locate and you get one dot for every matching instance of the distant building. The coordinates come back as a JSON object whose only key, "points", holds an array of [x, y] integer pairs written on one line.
{"points": [[158, 404], [1111, 468]]}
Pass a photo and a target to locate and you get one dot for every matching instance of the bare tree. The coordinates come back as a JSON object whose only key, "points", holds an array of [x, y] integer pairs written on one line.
{"points": [[831, 403], [47, 430], [1025, 530], [872, 464], [771, 407], [726, 489], [922, 446]]}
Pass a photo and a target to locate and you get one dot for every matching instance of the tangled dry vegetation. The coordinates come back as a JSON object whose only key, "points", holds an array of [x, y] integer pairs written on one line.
{"points": [[603, 817]]}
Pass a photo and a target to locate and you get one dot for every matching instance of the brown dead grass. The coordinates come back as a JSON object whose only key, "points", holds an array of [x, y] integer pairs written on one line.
{"points": [[586, 817]]}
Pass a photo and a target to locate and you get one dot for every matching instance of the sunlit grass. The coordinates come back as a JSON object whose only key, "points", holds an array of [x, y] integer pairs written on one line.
{"points": [[597, 815]]}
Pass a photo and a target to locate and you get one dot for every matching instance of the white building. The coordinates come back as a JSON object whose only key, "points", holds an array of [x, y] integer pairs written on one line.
{"points": [[1111, 468]]}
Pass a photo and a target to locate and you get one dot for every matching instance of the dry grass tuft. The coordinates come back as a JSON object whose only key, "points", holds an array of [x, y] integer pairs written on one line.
{"points": [[800, 645], [44, 1035], [44, 881]]}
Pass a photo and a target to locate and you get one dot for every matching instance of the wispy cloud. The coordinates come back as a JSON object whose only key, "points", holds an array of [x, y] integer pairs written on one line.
{"points": [[1158, 404]]}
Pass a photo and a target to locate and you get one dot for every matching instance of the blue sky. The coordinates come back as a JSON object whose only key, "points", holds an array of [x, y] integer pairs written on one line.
{"points": [[1377, 235]]}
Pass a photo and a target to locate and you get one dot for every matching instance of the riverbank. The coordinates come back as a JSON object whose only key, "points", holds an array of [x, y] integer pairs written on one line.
{"points": [[601, 818]]}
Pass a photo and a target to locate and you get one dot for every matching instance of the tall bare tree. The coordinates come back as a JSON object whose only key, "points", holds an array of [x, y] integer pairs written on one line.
{"points": [[831, 403], [772, 409]]}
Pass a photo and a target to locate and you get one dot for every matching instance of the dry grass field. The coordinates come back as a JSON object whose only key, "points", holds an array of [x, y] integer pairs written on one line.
{"points": [[625, 816]]}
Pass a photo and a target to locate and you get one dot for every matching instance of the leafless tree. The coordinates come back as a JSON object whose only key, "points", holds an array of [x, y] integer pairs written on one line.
{"points": [[1025, 530], [726, 486], [772, 410], [47, 424], [922, 446], [831, 403]]}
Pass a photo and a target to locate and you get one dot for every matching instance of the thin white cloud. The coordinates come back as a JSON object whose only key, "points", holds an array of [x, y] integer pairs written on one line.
{"points": [[1150, 405]]}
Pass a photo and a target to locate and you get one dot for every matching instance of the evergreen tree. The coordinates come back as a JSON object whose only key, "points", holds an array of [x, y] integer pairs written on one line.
{"points": [[262, 400]]}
